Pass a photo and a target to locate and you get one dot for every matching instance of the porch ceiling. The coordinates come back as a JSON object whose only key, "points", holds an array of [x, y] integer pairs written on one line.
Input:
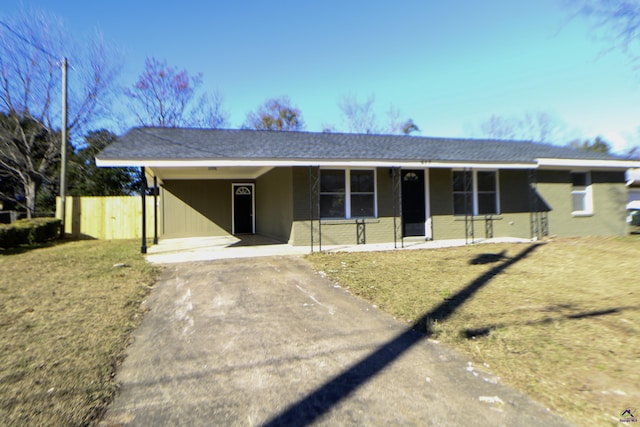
{"points": [[223, 172]]}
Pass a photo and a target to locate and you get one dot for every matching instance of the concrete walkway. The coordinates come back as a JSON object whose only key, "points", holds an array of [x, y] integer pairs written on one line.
{"points": [[267, 341], [192, 249]]}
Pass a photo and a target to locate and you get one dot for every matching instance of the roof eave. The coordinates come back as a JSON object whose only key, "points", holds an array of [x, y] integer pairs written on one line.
{"points": [[169, 163], [555, 163]]}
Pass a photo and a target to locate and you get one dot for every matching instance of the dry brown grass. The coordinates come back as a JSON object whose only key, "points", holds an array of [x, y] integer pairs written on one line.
{"points": [[562, 324], [65, 317]]}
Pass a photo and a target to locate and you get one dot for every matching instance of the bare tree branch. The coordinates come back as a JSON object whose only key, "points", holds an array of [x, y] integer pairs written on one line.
{"points": [[615, 21], [166, 97], [359, 116], [538, 127]]}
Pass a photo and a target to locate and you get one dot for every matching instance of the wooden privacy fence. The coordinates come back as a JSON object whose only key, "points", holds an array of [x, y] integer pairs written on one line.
{"points": [[106, 217]]}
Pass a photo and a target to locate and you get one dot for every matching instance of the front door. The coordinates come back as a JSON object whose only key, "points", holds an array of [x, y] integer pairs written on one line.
{"points": [[243, 209], [413, 203]]}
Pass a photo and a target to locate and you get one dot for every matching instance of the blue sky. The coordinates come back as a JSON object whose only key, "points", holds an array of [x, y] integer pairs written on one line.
{"points": [[447, 65]]}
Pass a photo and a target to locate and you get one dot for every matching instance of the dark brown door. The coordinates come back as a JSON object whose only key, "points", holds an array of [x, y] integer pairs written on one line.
{"points": [[413, 203], [243, 208]]}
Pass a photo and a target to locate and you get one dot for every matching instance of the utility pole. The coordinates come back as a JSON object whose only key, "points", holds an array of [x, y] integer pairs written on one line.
{"points": [[63, 150]]}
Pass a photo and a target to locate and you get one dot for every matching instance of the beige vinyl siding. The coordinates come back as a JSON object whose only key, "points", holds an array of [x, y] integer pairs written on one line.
{"points": [[444, 225], [609, 198], [274, 204], [196, 208], [203, 208], [512, 221], [342, 231]]}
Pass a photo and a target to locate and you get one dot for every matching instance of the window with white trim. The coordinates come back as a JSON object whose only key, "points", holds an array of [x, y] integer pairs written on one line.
{"points": [[347, 193], [581, 196], [475, 192]]}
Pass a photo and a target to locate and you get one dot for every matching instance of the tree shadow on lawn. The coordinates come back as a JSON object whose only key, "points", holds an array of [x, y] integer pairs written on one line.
{"points": [[28, 248], [483, 331], [326, 396]]}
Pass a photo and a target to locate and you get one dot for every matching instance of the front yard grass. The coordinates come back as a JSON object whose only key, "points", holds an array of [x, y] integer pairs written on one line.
{"points": [[65, 316], [561, 324]]}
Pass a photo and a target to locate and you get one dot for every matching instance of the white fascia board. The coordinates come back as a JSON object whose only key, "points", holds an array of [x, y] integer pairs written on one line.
{"points": [[481, 165], [590, 164], [409, 164]]}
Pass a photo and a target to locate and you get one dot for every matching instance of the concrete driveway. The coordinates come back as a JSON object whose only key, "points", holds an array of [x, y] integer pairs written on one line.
{"points": [[267, 341]]}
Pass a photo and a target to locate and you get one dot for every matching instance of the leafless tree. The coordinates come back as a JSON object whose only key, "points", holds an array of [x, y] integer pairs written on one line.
{"points": [[276, 114], [615, 21], [164, 96], [27, 151], [359, 117], [32, 45], [539, 127], [398, 126], [212, 113]]}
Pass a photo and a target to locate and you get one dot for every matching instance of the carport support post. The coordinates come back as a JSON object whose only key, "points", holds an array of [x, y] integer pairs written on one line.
{"points": [[314, 190], [143, 193], [155, 210], [311, 206], [396, 194], [394, 204]]}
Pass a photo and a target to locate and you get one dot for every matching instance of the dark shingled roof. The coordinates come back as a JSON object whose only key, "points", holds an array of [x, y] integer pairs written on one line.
{"points": [[140, 144]]}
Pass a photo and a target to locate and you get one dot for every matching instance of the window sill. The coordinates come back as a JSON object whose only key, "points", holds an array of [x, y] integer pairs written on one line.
{"points": [[581, 214]]}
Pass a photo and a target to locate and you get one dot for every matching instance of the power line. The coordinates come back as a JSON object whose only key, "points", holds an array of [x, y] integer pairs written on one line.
{"points": [[26, 40]]}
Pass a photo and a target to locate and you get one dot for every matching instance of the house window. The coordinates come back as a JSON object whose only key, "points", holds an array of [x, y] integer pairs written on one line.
{"points": [[332, 194], [475, 192], [347, 193], [581, 199]]}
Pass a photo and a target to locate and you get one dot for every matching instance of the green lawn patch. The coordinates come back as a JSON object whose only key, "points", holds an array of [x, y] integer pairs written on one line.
{"points": [[561, 324], [66, 313]]}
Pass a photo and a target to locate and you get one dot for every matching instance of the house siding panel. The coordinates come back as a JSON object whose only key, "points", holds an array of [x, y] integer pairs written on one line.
{"points": [[274, 204], [342, 232], [195, 208], [514, 195], [203, 208], [507, 225], [441, 197], [300, 183], [609, 195], [444, 224]]}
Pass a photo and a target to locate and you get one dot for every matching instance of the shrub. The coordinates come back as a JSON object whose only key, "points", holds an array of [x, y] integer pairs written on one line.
{"points": [[29, 232], [8, 236]]}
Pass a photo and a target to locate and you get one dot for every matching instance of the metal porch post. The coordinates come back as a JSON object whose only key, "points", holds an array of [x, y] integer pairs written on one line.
{"points": [[314, 203], [467, 182], [155, 210], [143, 193], [397, 206], [317, 187], [311, 207], [534, 216]]}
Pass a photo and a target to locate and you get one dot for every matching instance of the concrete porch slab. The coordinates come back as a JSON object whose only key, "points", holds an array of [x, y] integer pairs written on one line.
{"points": [[170, 251]]}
